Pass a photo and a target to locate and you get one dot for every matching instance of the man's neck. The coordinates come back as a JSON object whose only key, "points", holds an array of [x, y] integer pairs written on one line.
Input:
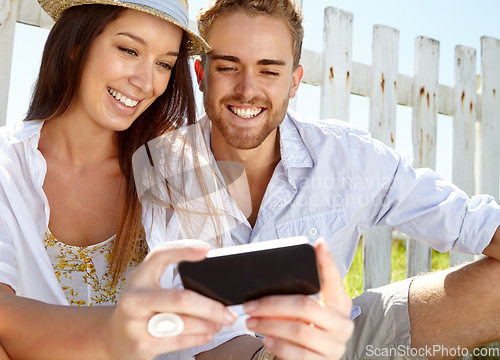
{"points": [[259, 164]]}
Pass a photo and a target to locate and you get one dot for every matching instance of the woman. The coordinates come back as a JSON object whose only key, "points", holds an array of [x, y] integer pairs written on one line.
{"points": [[111, 79]]}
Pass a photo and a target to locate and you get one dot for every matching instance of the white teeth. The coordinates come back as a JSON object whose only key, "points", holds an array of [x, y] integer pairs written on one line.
{"points": [[246, 113], [122, 98]]}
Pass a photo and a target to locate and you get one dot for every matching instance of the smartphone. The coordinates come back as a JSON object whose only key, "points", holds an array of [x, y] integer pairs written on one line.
{"points": [[236, 274]]}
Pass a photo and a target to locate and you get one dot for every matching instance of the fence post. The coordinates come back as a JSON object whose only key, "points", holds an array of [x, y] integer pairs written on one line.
{"points": [[337, 64], [424, 121], [464, 125], [489, 128], [377, 242], [8, 16]]}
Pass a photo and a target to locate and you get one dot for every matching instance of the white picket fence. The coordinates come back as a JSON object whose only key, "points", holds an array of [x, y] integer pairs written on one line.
{"points": [[472, 102]]}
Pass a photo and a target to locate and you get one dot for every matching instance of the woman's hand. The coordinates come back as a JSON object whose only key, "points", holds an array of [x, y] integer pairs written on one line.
{"points": [[299, 327], [143, 298]]}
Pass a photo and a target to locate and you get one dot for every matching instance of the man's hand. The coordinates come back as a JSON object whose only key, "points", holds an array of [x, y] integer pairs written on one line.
{"points": [[300, 327]]}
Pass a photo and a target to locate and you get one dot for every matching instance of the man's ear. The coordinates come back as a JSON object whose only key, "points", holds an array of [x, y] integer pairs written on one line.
{"points": [[198, 68], [297, 75]]}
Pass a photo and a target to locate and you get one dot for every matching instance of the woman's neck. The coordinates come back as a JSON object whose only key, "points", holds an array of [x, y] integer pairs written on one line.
{"points": [[69, 140]]}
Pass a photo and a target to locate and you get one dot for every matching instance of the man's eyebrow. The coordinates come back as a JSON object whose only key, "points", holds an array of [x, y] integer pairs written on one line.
{"points": [[236, 59], [144, 42], [224, 57], [271, 62]]}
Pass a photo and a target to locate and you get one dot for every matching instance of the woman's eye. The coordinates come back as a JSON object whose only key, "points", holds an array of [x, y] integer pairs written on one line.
{"points": [[166, 66], [128, 51]]}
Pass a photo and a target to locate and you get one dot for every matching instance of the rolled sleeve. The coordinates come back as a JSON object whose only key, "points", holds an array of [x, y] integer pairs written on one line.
{"points": [[481, 220]]}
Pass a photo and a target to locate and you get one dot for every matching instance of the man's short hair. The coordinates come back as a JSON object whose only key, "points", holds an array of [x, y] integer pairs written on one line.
{"points": [[280, 9]]}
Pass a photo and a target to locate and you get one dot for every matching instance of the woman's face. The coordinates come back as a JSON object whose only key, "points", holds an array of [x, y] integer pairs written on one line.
{"points": [[129, 65]]}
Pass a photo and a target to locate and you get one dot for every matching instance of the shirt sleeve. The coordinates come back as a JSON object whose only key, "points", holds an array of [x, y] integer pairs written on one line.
{"points": [[425, 206], [8, 268]]}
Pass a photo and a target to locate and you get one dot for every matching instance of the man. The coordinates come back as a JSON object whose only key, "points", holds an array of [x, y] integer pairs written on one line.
{"points": [[247, 81]]}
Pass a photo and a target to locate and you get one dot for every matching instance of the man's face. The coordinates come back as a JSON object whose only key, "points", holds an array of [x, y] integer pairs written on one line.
{"points": [[248, 78]]}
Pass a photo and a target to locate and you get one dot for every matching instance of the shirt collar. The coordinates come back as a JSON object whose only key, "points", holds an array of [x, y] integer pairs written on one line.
{"points": [[294, 152], [25, 130]]}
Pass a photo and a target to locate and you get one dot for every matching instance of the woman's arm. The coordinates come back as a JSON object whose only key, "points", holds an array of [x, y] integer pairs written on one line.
{"points": [[31, 329]]}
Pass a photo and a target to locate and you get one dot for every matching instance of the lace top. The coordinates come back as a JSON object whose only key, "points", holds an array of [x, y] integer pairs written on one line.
{"points": [[84, 272]]}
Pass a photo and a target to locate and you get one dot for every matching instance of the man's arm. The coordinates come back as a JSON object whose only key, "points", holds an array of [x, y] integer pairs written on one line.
{"points": [[493, 249], [241, 347]]}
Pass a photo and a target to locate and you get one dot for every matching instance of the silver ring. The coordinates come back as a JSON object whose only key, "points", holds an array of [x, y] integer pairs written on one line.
{"points": [[165, 325]]}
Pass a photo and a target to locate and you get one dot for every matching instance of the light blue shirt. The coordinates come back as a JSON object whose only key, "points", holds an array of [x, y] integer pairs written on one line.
{"points": [[334, 180]]}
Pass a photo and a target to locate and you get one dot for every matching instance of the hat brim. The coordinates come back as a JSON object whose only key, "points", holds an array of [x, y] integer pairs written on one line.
{"points": [[196, 44]]}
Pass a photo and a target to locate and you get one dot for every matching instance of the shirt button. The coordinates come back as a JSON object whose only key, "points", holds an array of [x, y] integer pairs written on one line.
{"points": [[313, 231]]}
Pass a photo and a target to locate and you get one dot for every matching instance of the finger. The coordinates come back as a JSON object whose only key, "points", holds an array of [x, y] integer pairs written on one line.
{"points": [[148, 273], [332, 287], [197, 326], [147, 302], [293, 332], [293, 307], [290, 351], [156, 346]]}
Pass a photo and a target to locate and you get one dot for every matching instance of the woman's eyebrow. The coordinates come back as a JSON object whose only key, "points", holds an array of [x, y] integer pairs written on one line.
{"points": [[144, 42]]}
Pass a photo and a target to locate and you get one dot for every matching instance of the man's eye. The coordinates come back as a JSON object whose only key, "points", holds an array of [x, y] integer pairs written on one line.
{"points": [[225, 68], [271, 73]]}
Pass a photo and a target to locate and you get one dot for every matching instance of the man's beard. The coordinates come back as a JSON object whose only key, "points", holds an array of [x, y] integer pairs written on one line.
{"points": [[242, 138]]}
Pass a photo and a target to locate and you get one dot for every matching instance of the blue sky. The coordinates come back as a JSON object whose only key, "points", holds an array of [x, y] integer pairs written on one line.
{"points": [[451, 22]]}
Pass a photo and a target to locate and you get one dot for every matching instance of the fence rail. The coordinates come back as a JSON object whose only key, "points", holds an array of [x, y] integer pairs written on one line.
{"points": [[473, 102]]}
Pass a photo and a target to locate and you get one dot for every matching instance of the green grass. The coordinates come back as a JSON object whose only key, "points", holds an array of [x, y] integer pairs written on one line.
{"points": [[353, 282]]}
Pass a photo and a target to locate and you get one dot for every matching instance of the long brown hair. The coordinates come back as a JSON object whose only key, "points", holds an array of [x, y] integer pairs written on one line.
{"points": [[64, 56]]}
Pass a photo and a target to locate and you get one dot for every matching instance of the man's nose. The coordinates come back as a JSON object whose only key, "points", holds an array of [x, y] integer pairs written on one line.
{"points": [[247, 85]]}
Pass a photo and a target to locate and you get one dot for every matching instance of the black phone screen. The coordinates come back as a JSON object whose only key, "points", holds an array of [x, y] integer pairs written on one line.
{"points": [[235, 278]]}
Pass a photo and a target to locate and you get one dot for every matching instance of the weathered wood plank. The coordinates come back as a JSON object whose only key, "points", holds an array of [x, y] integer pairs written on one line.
{"points": [[424, 132], [489, 128], [377, 243], [337, 64], [31, 13], [464, 128]]}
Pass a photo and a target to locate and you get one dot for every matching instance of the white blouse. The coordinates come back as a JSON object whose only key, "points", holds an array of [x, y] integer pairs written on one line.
{"points": [[25, 264]]}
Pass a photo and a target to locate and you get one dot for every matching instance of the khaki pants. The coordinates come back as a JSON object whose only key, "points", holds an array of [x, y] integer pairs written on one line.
{"points": [[382, 330]]}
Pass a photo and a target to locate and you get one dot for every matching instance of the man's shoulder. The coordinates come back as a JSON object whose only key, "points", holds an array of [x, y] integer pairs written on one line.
{"points": [[325, 127]]}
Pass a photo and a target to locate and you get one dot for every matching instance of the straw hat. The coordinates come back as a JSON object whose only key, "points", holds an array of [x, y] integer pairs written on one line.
{"points": [[173, 11]]}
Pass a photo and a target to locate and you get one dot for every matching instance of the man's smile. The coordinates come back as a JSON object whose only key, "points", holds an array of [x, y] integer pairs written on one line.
{"points": [[246, 112]]}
